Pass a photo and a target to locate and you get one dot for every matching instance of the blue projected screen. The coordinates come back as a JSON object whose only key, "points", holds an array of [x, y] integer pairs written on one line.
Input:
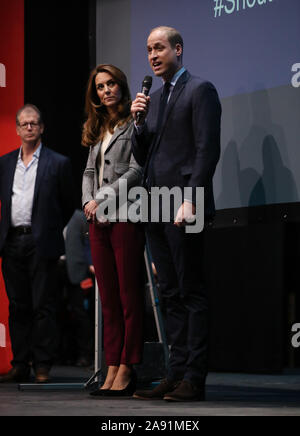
{"points": [[250, 50]]}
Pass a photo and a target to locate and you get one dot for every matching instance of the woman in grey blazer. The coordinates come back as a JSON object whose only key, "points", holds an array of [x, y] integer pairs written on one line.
{"points": [[117, 247]]}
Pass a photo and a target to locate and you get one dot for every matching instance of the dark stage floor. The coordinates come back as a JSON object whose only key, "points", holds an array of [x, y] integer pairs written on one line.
{"points": [[227, 394]]}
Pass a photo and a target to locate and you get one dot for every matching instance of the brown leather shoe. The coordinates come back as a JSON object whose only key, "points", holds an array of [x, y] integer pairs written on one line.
{"points": [[158, 392], [16, 375], [186, 391], [42, 375]]}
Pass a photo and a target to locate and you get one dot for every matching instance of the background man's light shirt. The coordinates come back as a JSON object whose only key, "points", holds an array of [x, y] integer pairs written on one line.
{"points": [[23, 190]]}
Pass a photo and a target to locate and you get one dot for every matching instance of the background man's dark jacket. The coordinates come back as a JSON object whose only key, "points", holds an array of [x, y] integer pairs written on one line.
{"points": [[53, 203]]}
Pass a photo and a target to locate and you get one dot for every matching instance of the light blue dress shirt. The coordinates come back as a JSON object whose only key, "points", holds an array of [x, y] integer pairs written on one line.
{"points": [[23, 190], [175, 80]]}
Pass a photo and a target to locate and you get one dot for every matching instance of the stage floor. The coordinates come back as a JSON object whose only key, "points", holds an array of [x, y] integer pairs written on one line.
{"points": [[227, 394]]}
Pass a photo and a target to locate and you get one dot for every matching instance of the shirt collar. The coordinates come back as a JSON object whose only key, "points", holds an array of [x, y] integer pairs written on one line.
{"points": [[36, 154], [177, 75]]}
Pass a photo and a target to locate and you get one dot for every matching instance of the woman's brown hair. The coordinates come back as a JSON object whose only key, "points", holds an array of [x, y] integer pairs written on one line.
{"points": [[98, 120]]}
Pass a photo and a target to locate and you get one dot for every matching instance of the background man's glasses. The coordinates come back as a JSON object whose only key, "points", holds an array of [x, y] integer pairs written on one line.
{"points": [[26, 125]]}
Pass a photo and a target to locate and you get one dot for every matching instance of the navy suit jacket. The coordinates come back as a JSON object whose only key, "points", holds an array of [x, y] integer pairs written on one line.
{"points": [[187, 149], [53, 202]]}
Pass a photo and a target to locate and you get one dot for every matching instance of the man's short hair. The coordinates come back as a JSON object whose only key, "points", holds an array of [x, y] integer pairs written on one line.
{"points": [[29, 106], [173, 35]]}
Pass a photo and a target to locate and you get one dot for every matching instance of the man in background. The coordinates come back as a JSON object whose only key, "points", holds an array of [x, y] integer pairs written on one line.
{"points": [[36, 194]]}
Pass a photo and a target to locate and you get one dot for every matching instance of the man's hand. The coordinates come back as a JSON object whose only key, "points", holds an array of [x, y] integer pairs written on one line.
{"points": [[140, 104], [186, 214], [90, 210]]}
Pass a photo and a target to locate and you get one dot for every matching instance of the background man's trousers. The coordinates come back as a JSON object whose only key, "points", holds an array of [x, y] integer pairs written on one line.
{"points": [[30, 286]]}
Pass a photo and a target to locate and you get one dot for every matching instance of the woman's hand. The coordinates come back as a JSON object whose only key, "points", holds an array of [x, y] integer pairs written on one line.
{"points": [[102, 221], [90, 210], [90, 213]]}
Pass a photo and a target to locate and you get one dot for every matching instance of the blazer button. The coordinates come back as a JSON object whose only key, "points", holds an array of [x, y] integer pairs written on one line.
{"points": [[107, 161], [105, 180]]}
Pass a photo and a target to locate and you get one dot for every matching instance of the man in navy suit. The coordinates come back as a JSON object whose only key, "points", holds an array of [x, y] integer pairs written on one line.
{"points": [[36, 203], [177, 141]]}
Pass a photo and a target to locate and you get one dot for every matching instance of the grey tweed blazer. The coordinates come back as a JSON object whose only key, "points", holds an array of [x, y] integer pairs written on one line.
{"points": [[119, 163]]}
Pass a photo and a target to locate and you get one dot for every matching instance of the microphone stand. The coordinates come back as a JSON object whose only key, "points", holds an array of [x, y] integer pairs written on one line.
{"points": [[97, 377]]}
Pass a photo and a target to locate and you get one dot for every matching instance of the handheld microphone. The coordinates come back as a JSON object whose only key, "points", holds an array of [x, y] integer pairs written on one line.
{"points": [[146, 86]]}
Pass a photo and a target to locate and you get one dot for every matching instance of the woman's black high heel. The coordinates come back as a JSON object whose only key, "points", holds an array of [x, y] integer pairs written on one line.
{"points": [[126, 392], [98, 392]]}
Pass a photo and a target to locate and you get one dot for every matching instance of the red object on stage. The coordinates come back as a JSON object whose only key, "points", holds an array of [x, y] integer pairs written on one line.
{"points": [[11, 98], [86, 284]]}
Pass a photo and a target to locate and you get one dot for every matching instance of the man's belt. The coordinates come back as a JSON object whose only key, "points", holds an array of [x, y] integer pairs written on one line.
{"points": [[20, 230]]}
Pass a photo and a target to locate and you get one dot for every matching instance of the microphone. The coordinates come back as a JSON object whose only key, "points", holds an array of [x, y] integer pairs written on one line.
{"points": [[146, 86]]}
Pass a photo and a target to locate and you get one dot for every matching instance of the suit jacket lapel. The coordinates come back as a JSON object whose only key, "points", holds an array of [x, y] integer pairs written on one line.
{"points": [[43, 164], [117, 133], [175, 94], [11, 173], [174, 97]]}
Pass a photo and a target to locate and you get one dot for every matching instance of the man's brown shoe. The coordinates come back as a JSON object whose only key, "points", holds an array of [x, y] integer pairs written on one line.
{"points": [[186, 391], [16, 375], [42, 375], [158, 392]]}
